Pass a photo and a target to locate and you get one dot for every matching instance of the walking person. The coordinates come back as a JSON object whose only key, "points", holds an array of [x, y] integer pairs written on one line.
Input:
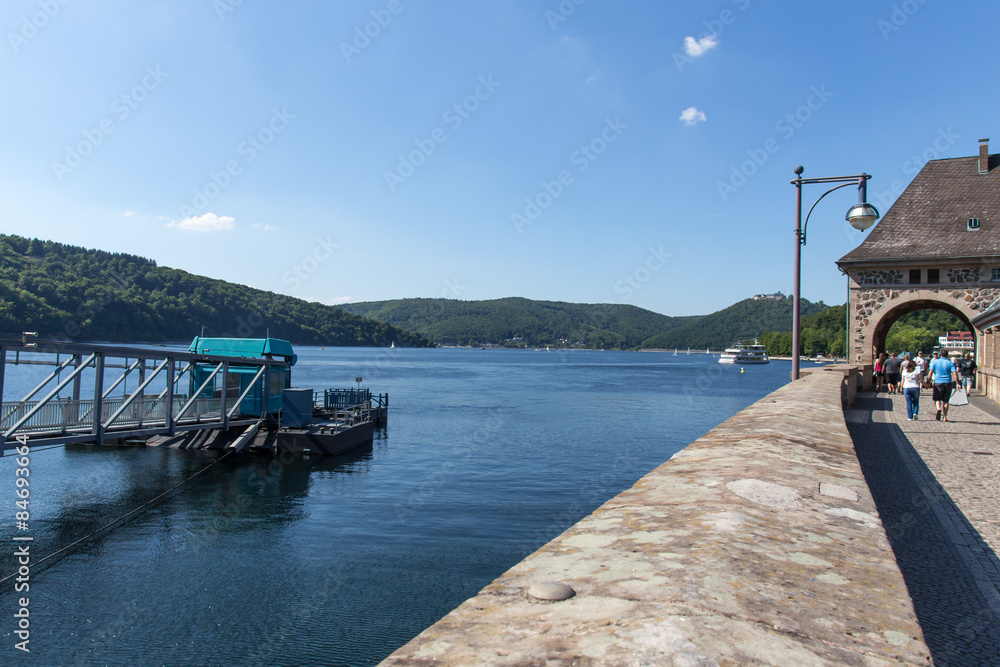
{"points": [[943, 372], [921, 362], [911, 389], [879, 372], [892, 367], [967, 369]]}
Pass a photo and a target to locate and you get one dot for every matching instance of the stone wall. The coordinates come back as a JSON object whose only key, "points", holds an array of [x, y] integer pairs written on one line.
{"points": [[973, 275], [757, 544], [890, 277]]}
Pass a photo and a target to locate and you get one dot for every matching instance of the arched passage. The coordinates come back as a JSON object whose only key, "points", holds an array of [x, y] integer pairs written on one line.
{"points": [[893, 315]]}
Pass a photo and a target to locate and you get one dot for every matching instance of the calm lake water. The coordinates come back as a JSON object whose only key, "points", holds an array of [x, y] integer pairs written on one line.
{"points": [[339, 561]]}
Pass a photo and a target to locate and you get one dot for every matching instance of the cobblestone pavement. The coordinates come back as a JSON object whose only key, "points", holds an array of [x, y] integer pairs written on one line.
{"points": [[935, 486]]}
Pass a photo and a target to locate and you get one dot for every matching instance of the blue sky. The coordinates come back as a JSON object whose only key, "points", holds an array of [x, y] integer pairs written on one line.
{"points": [[586, 151]]}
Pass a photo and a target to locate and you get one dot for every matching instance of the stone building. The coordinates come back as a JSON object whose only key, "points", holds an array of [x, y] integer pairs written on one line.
{"points": [[937, 247]]}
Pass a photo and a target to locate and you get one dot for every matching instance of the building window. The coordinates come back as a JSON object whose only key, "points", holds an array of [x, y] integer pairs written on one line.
{"points": [[914, 276], [995, 275], [933, 276]]}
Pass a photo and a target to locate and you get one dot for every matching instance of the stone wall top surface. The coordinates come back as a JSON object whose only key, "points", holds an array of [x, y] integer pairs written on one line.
{"points": [[757, 544]]}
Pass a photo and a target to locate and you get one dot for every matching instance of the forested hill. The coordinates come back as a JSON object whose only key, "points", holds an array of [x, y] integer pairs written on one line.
{"points": [[68, 291], [745, 319], [610, 326], [537, 323]]}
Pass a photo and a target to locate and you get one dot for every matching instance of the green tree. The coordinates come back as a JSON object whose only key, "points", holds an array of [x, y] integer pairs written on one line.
{"points": [[910, 338]]}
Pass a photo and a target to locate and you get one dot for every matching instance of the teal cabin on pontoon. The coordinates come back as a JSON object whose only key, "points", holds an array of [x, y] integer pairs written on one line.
{"points": [[263, 389]]}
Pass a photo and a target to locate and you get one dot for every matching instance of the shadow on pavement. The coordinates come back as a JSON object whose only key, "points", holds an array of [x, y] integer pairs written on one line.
{"points": [[960, 627]]}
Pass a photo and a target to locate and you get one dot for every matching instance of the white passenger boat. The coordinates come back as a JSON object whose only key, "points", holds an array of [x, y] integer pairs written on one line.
{"points": [[745, 353]]}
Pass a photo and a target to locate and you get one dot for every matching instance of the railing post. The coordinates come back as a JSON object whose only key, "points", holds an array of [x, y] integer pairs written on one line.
{"points": [[75, 412], [141, 391], [98, 401], [225, 396], [169, 408], [265, 394]]}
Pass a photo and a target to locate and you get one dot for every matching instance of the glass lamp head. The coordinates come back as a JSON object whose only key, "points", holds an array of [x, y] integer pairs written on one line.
{"points": [[862, 216]]}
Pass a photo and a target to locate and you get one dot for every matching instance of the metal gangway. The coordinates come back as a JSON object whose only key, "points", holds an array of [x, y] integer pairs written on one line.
{"points": [[76, 402]]}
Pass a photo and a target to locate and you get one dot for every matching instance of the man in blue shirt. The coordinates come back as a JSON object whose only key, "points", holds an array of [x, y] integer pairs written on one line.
{"points": [[943, 372]]}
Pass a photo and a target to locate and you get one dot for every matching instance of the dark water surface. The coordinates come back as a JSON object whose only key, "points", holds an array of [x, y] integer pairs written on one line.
{"points": [[339, 561]]}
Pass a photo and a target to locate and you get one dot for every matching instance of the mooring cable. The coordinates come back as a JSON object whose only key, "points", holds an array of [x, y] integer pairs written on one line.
{"points": [[122, 517]]}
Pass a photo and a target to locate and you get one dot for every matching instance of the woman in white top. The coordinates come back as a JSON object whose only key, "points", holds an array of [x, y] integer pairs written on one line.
{"points": [[911, 389]]}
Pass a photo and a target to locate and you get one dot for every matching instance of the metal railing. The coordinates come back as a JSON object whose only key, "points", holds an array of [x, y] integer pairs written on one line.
{"points": [[339, 399], [352, 406], [336, 399], [63, 415]]}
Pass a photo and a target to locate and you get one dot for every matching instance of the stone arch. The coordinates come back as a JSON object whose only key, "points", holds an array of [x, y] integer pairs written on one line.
{"points": [[876, 308], [890, 317]]}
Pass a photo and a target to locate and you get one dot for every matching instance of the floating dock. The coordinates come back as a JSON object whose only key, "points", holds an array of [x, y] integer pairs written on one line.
{"points": [[335, 421]]}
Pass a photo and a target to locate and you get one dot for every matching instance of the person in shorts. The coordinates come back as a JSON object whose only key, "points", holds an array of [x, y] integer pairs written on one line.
{"points": [[892, 370], [967, 369], [943, 372]]}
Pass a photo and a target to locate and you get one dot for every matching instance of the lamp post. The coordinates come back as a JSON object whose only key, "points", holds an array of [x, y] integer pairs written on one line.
{"points": [[861, 216]]}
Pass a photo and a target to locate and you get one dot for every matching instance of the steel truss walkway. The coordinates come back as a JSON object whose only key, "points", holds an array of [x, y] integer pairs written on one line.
{"points": [[155, 406]]}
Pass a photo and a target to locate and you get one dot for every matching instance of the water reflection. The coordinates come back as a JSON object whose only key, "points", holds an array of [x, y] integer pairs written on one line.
{"points": [[194, 496]]}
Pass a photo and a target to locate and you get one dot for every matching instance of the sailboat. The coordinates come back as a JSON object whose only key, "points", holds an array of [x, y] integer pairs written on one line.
{"points": [[675, 351], [689, 351], [393, 345]]}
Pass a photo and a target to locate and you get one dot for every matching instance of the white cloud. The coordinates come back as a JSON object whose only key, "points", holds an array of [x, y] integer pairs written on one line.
{"points": [[696, 47], [128, 213], [263, 228], [691, 116], [591, 78], [209, 222]]}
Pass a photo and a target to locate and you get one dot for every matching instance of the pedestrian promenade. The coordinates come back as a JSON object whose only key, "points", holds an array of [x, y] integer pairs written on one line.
{"points": [[935, 486]]}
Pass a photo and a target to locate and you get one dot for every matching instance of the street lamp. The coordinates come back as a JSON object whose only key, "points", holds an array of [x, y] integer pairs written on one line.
{"points": [[861, 216]]}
